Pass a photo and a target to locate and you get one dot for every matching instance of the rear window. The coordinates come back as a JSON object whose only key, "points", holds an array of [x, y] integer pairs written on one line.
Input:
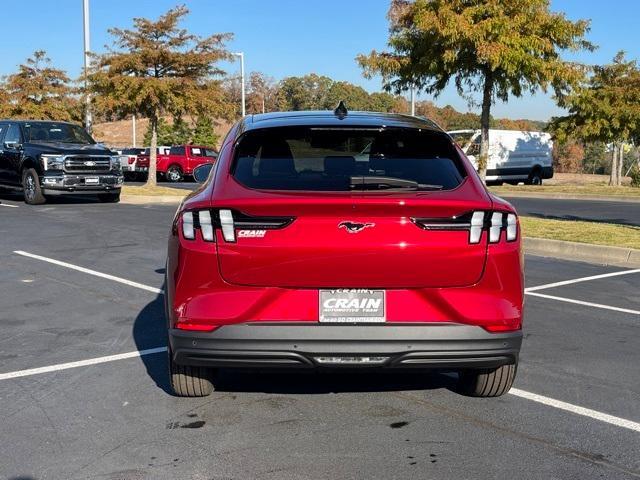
{"points": [[343, 159]]}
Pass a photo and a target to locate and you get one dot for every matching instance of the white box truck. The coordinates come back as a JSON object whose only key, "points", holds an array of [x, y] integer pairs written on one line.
{"points": [[514, 156]]}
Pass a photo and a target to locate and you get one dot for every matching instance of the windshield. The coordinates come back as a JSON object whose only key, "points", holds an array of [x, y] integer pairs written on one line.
{"points": [[56, 132], [343, 159]]}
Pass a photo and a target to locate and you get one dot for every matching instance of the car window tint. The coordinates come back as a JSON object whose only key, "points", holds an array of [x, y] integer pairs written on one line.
{"points": [[13, 134], [177, 151], [307, 158]]}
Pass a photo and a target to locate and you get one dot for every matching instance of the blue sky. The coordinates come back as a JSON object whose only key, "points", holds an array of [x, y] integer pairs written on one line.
{"points": [[290, 37]]}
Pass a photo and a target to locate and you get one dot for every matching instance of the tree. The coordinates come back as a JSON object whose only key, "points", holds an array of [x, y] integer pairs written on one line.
{"points": [[606, 108], [383, 102], [568, 156], [355, 97], [158, 68], [203, 133], [303, 93], [164, 133], [496, 47], [261, 96], [40, 92], [181, 132]]}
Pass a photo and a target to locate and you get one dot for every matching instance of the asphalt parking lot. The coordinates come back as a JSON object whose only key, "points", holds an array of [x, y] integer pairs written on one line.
{"points": [[624, 213], [81, 282]]}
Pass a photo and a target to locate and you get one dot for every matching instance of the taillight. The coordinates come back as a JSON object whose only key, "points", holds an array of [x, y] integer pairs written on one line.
{"points": [[475, 229], [132, 160], [476, 222], [512, 227], [208, 220], [228, 228]]}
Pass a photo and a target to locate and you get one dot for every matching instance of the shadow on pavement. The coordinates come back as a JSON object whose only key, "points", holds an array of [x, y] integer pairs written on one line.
{"points": [[323, 382], [150, 331], [74, 199]]}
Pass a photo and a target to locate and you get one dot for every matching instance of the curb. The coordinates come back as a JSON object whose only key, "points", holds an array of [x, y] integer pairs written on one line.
{"points": [[562, 196], [141, 199], [584, 252]]}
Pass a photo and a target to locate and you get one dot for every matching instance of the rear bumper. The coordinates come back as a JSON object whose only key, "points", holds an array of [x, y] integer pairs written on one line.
{"points": [[445, 346]]}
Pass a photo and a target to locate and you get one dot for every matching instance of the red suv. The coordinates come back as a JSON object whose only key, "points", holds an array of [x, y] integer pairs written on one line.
{"points": [[335, 239]]}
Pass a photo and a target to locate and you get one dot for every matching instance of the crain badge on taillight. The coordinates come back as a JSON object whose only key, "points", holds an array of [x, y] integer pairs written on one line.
{"points": [[251, 233]]}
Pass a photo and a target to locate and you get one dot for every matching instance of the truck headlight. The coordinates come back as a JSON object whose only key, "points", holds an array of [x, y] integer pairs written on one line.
{"points": [[117, 161], [52, 162]]}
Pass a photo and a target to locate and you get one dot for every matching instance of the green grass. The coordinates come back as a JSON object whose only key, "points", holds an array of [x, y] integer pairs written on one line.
{"points": [[153, 191], [586, 190], [582, 232]]}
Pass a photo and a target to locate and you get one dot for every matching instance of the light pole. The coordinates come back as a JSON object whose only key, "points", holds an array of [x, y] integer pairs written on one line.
{"points": [[133, 126], [413, 100], [241, 55], [85, 17]]}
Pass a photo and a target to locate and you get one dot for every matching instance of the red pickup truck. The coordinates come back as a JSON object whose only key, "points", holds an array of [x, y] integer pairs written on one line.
{"points": [[180, 161]]}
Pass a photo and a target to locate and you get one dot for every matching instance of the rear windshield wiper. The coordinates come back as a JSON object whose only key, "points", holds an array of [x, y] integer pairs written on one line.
{"points": [[389, 183]]}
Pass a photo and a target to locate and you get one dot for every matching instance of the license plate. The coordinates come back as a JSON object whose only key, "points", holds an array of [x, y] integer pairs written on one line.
{"points": [[91, 180], [352, 306]]}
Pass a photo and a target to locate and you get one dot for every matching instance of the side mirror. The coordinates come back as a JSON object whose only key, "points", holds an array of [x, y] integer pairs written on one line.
{"points": [[201, 172]]}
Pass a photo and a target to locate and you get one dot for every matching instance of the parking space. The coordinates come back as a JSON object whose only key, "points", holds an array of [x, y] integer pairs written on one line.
{"points": [[575, 410]]}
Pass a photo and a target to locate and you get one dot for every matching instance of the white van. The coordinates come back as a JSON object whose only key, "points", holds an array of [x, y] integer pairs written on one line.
{"points": [[514, 156]]}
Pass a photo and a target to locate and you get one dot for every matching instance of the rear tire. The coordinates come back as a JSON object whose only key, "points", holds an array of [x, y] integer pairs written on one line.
{"points": [[31, 186], [174, 174], [535, 177], [189, 381], [487, 382], [109, 197]]}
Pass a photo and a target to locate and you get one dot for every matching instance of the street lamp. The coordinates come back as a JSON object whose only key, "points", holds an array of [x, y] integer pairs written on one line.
{"points": [[87, 49], [241, 55], [413, 101]]}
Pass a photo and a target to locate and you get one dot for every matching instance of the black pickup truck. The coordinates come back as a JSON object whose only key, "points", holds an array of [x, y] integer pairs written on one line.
{"points": [[44, 158]]}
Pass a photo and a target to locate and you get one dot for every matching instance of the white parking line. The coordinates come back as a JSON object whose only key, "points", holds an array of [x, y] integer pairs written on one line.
{"points": [[585, 412], [579, 280], [586, 304], [534, 397], [81, 363], [90, 272], [8, 205]]}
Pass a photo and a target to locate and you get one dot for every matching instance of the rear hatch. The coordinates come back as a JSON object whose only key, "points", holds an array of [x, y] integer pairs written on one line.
{"points": [[350, 209]]}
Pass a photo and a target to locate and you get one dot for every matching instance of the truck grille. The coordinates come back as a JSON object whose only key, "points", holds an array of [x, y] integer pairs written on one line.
{"points": [[87, 164]]}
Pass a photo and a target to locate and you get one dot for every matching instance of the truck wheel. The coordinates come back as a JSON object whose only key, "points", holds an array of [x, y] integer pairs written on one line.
{"points": [[31, 185], [188, 381], [174, 173], [535, 177], [487, 382], [109, 197]]}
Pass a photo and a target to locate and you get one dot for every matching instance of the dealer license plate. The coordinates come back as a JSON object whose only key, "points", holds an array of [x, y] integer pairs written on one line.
{"points": [[352, 306], [91, 180]]}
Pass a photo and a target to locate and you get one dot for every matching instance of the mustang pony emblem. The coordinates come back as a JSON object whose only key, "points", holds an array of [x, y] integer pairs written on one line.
{"points": [[355, 227]]}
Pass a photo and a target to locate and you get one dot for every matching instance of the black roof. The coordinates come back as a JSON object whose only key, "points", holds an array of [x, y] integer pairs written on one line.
{"points": [[328, 118], [22, 121]]}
